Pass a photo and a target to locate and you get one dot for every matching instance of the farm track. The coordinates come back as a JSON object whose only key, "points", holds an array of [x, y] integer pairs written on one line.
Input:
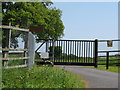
{"points": [[95, 78]]}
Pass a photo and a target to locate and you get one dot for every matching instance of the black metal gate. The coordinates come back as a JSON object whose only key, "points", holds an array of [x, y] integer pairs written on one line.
{"points": [[72, 52]]}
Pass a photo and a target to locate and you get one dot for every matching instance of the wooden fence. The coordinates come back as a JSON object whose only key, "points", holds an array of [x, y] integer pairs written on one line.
{"points": [[108, 59], [29, 51]]}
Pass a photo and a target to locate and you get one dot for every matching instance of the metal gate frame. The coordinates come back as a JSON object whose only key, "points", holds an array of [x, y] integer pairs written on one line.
{"points": [[87, 45]]}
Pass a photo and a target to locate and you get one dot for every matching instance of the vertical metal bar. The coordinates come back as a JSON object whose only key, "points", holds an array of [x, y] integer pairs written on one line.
{"points": [[46, 45], [88, 52], [75, 51], [80, 52], [53, 54], [51, 49], [59, 52], [70, 50], [96, 52], [92, 59], [107, 61], [66, 52], [84, 51], [54, 50], [59, 49], [63, 51], [57, 58]]}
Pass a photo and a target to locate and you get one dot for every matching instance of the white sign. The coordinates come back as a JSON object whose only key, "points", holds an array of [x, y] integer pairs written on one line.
{"points": [[44, 55]]}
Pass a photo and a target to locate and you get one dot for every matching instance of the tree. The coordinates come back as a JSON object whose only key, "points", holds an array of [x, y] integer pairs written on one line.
{"points": [[25, 14], [57, 51]]}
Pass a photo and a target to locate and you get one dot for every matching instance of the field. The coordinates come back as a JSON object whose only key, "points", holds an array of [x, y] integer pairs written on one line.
{"points": [[40, 77], [112, 60], [112, 64]]}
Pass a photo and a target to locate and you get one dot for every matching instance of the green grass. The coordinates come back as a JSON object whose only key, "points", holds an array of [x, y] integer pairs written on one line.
{"points": [[15, 62], [112, 66], [0, 73], [40, 77], [103, 67], [111, 60]]}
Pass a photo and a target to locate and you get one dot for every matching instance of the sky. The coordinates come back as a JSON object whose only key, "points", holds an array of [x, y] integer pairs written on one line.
{"points": [[90, 21]]}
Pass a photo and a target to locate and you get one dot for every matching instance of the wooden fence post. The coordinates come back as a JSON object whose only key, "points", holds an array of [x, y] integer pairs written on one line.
{"points": [[6, 44]]}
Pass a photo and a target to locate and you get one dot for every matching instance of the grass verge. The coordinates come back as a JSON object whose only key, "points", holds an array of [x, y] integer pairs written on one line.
{"points": [[40, 77], [103, 67]]}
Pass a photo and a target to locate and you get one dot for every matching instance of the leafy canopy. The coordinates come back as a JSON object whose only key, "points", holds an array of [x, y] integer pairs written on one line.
{"points": [[25, 14]]}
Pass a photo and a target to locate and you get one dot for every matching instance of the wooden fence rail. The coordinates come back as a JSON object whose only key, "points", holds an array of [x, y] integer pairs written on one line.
{"points": [[108, 59], [20, 58], [108, 51], [13, 49], [14, 28], [108, 40], [18, 66], [28, 53]]}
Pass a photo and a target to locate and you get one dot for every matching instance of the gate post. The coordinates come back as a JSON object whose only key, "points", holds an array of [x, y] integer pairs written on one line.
{"points": [[31, 49], [107, 61], [96, 53]]}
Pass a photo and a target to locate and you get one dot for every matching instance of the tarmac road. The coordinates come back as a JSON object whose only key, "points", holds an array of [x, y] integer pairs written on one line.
{"points": [[95, 78]]}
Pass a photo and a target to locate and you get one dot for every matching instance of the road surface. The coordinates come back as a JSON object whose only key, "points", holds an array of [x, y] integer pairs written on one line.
{"points": [[95, 78]]}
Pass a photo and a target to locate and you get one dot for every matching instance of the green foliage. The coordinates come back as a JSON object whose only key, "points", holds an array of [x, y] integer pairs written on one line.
{"points": [[57, 51], [40, 77], [1, 38], [25, 14]]}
